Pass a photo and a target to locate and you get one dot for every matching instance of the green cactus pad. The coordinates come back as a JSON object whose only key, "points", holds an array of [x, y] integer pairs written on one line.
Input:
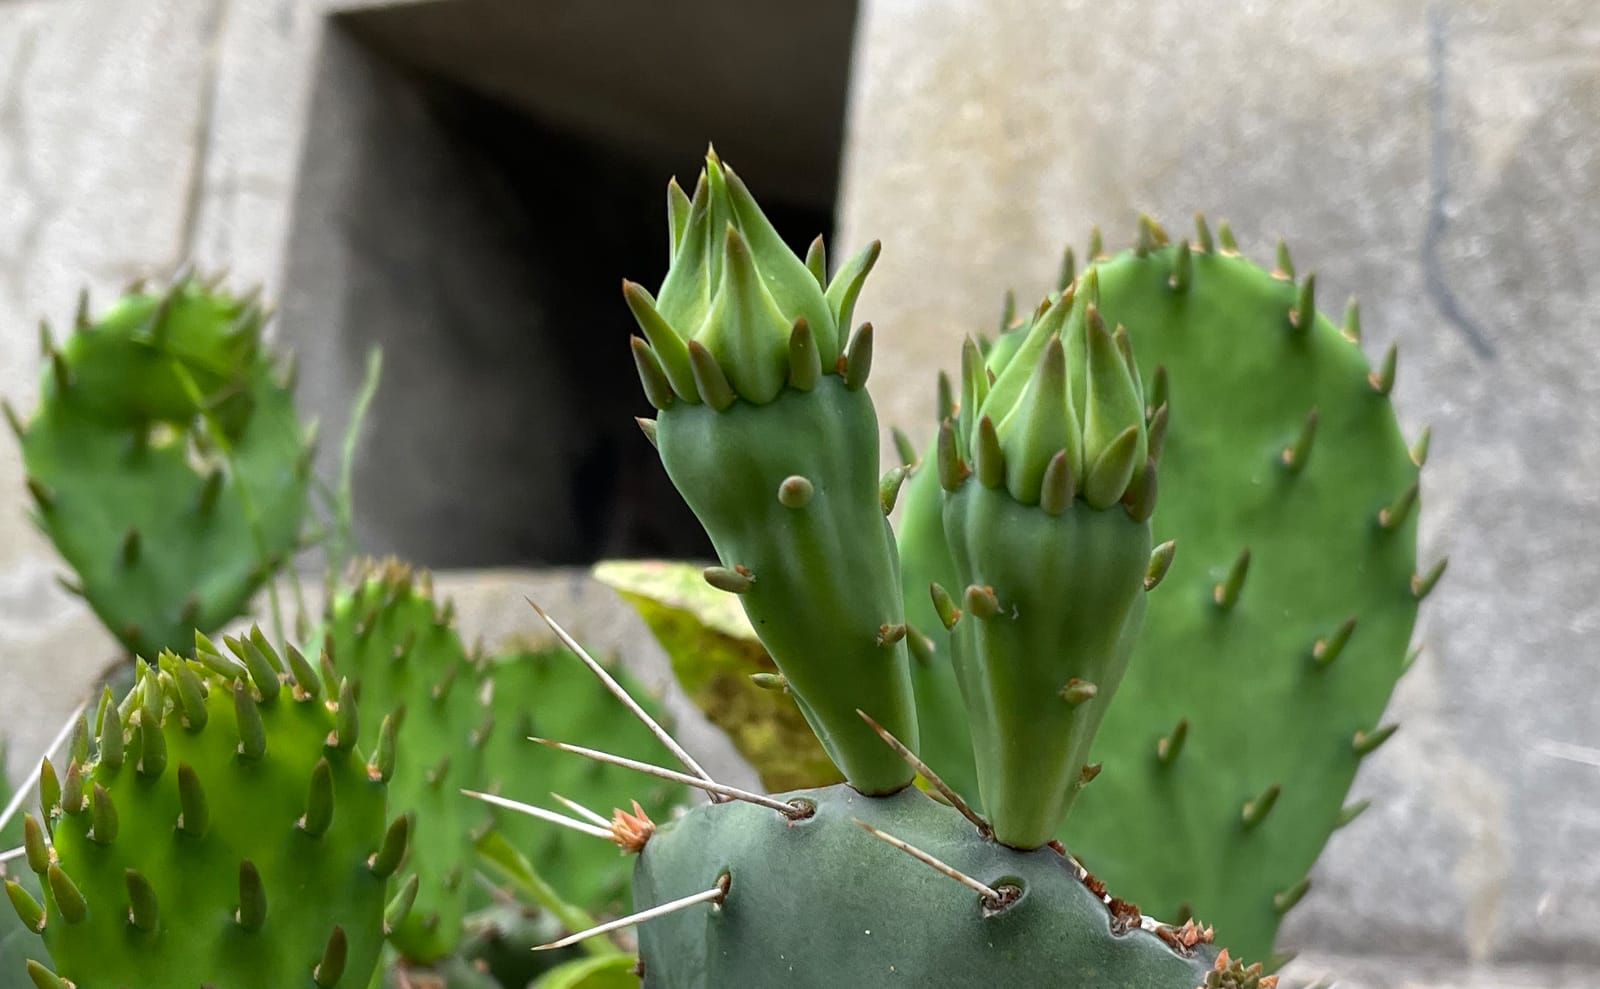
{"points": [[547, 692], [1259, 680], [715, 654], [165, 447], [390, 637], [226, 832], [767, 432], [821, 902]]}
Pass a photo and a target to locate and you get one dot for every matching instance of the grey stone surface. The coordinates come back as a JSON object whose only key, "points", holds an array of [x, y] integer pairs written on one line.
{"points": [[1441, 160]]}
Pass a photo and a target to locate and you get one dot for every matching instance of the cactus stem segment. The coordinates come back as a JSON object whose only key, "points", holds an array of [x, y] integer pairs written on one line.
{"points": [[1226, 593], [714, 895], [1255, 811], [1077, 691], [1325, 651], [792, 811], [944, 789], [1297, 453], [582, 827], [616, 690], [1160, 563], [1382, 380], [734, 580], [1168, 748], [993, 899], [1365, 743]]}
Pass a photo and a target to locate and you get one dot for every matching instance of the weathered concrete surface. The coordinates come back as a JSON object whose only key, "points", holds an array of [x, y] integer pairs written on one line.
{"points": [[1443, 161], [133, 137]]}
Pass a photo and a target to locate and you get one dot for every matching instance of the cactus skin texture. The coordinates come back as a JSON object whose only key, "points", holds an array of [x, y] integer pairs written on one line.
{"points": [[392, 639], [164, 447], [547, 691], [226, 832], [767, 431], [1303, 641], [820, 902]]}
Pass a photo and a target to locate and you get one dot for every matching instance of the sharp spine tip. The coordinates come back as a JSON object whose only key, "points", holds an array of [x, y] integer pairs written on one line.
{"points": [[1255, 811]]}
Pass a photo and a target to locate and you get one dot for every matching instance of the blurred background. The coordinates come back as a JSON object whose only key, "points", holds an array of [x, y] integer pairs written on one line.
{"points": [[463, 182]]}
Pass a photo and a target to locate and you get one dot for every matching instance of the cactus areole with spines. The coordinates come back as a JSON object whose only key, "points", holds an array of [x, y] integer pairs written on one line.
{"points": [[1047, 470], [767, 431], [225, 831]]}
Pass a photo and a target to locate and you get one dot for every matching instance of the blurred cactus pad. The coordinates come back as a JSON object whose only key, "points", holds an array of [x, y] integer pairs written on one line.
{"points": [[166, 461]]}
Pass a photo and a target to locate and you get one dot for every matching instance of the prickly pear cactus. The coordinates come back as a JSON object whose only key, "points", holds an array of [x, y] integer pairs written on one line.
{"points": [[390, 636], [1048, 481], [224, 831], [165, 446], [821, 902], [1289, 601], [547, 692], [767, 431]]}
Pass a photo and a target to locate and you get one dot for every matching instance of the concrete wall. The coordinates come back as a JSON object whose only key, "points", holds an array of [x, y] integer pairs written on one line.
{"points": [[1441, 160]]}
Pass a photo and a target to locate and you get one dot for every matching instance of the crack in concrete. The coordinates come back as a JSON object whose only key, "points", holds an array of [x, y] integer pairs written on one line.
{"points": [[204, 125], [1434, 277]]}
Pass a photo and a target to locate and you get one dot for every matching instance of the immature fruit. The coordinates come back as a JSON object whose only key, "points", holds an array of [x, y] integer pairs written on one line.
{"points": [[1048, 493], [225, 832], [165, 447], [768, 433]]}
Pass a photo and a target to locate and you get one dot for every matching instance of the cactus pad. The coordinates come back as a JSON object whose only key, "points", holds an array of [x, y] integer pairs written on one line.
{"points": [[392, 639], [1287, 606], [225, 832], [820, 902], [165, 447]]}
